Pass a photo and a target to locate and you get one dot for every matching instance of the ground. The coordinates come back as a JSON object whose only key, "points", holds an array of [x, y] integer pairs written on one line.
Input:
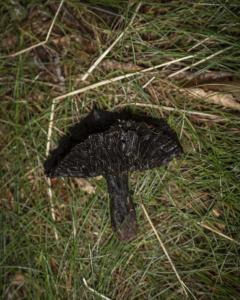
{"points": [[193, 204]]}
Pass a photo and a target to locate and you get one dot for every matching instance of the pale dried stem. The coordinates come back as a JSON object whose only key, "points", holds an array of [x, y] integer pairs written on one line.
{"points": [[199, 43], [218, 232], [198, 62], [167, 108], [94, 291], [129, 75], [50, 127], [183, 285], [224, 99], [42, 42], [118, 78], [49, 183], [148, 82], [101, 57]]}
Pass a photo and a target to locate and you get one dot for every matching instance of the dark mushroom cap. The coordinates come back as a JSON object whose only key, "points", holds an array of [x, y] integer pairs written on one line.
{"points": [[111, 143]]}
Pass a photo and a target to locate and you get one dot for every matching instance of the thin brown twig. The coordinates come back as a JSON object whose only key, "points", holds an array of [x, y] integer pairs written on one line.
{"points": [[118, 78], [183, 285], [101, 57], [42, 42], [49, 183]]}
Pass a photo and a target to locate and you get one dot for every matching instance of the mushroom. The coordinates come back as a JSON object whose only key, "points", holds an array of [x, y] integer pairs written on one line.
{"points": [[112, 144]]}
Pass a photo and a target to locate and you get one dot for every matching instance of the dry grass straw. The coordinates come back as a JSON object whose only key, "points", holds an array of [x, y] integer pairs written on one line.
{"points": [[50, 126], [129, 75], [118, 78], [183, 285], [49, 184], [42, 42], [102, 56], [173, 109], [218, 232], [199, 62], [94, 291]]}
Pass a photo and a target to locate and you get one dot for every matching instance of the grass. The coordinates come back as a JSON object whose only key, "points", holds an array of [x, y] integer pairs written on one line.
{"points": [[203, 186]]}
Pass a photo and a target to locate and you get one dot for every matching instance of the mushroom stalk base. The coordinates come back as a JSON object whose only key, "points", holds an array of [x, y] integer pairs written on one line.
{"points": [[123, 215]]}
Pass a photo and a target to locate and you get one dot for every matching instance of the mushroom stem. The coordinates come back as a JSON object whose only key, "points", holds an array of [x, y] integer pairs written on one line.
{"points": [[123, 215]]}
